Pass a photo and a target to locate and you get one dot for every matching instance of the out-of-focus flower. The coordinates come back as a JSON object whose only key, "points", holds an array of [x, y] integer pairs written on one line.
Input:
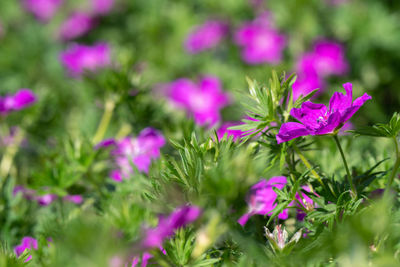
{"points": [[262, 199], [46, 199], [139, 151], [327, 58], [166, 227], [346, 127], [76, 25], [317, 119], [77, 199], [305, 84], [305, 201], [224, 130], [102, 7], [80, 58], [43, 10], [205, 36], [203, 100], [27, 243], [143, 260], [22, 99], [260, 42]]}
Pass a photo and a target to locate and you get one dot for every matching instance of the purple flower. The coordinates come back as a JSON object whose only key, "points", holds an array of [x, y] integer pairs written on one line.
{"points": [[305, 84], [166, 227], [22, 99], [102, 7], [205, 36], [224, 130], [76, 25], [317, 119], [327, 58], [43, 10], [203, 100], [139, 151], [46, 199], [260, 42], [80, 58], [30, 194], [77, 199], [27, 243], [305, 201], [262, 199]]}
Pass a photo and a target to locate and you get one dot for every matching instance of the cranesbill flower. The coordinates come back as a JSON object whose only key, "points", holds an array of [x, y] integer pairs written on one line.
{"points": [[262, 199], [76, 25], [43, 10], [205, 36], [260, 42], [203, 100], [80, 58], [317, 119], [27, 243], [22, 99], [166, 227], [102, 7], [327, 58]]}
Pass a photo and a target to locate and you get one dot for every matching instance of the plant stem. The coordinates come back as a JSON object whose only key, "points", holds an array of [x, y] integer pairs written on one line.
{"points": [[307, 164], [349, 178], [105, 120], [8, 157], [395, 167]]}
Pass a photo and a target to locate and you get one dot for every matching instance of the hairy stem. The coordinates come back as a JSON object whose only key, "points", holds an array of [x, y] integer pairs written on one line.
{"points": [[105, 121], [395, 167], [307, 164], [349, 178]]}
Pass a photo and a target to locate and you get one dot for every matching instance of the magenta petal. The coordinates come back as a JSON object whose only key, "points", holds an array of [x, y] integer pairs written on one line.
{"points": [[291, 130], [309, 114], [243, 220], [356, 106], [333, 122]]}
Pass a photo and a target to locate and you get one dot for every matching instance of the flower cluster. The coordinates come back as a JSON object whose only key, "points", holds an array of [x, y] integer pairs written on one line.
{"points": [[166, 227], [203, 100], [260, 42], [46, 199], [137, 151], [205, 36], [20, 100], [27, 243], [327, 58], [317, 119], [80, 58]]}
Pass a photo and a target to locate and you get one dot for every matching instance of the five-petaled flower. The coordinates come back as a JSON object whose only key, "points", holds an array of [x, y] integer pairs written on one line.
{"points": [[317, 119]]}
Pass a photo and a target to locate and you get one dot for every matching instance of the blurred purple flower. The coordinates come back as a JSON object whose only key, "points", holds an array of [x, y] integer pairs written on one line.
{"points": [[224, 130], [260, 42], [166, 227], [46, 199], [262, 199], [316, 119], [346, 127], [43, 10], [205, 36], [80, 58], [27, 243], [327, 58], [77, 199], [203, 100], [305, 201], [102, 7], [76, 25], [22, 99], [305, 84]]}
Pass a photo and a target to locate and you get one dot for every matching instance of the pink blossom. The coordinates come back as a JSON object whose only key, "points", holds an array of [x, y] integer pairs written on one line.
{"points": [[166, 227], [224, 130], [102, 7], [305, 201], [260, 42], [77, 199], [203, 100], [80, 58], [262, 199], [43, 10], [305, 84], [22, 99], [27, 243], [76, 25], [205, 36]]}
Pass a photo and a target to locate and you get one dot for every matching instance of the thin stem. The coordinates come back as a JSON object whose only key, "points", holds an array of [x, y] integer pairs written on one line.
{"points": [[395, 167], [349, 178], [9, 154], [307, 164], [105, 121]]}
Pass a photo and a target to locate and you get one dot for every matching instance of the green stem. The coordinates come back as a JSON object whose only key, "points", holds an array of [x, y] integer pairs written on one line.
{"points": [[105, 121], [349, 178], [307, 164], [395, 167]]}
